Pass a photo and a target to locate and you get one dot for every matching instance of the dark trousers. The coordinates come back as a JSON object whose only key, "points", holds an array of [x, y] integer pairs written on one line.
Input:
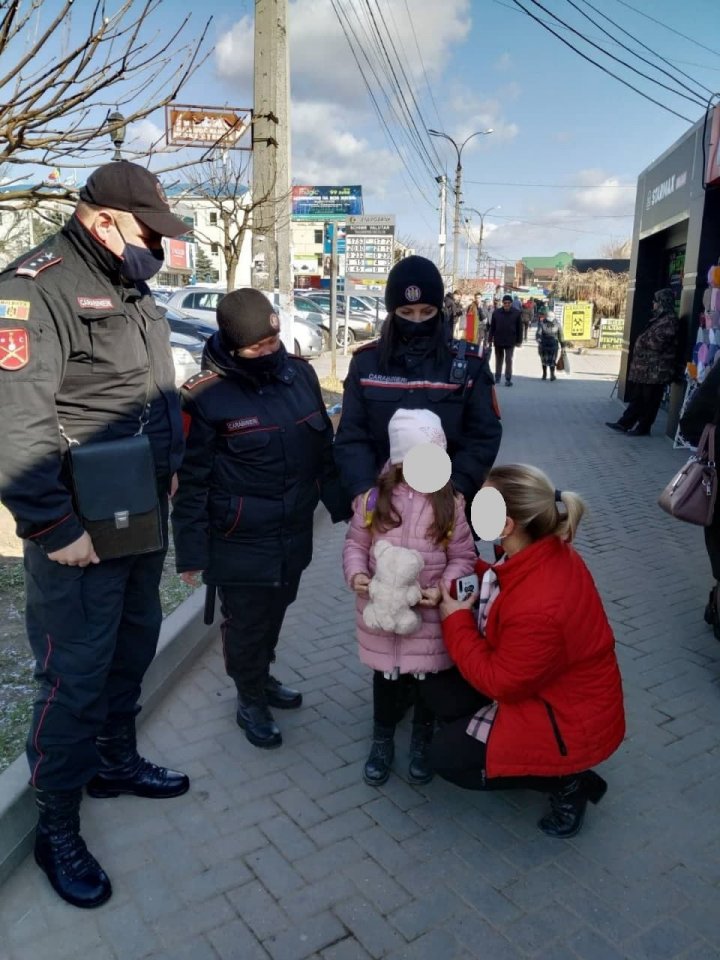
{"points": [[505, 353], [250, 632], [93, 632], [454, 754], [712, 544], [645, 399], [391, 699], [526, 326]]}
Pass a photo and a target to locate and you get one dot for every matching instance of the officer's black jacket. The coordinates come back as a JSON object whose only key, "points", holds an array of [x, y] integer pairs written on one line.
{"points": [[72, 353], [258, 459], [469, 414]]}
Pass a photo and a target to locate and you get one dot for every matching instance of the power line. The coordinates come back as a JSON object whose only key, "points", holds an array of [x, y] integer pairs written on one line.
{"points": [[336, 9], [672, 30], [551, 225], [633, 52], [556, 186], [420, 56], [694, 99], [599, 65]]}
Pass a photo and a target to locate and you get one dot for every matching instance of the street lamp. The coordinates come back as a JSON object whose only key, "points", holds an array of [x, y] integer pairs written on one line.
{"points": [[117, 131], [458, 187], [482, 229]]}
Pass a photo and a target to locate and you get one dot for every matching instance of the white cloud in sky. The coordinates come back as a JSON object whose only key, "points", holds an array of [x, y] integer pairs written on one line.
{"points": [[145, 134], [337, 137]]}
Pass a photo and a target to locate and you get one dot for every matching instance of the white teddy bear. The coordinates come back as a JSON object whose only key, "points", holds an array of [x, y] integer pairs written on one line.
{"points": [[394, 589]]}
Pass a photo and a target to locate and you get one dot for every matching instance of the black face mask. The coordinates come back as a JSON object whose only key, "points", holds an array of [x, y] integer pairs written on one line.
{"points": [[257, 366], [409, 329]]}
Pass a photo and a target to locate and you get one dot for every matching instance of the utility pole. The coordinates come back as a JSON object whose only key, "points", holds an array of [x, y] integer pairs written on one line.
{"points": [[458, 189], [283, 208], [265, 146], [482, 230], [333, 302], [442, 238]]}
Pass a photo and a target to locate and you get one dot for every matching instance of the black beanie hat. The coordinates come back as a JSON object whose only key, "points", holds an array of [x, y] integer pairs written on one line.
{"points": [[414, 280], [246, 317]]}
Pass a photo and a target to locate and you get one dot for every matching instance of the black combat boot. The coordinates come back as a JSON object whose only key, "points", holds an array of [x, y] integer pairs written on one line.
{"points": [[253, 715], [123, 770], [420, 770], [280, 696], [712, 615], [568, 802], [60, 851], [382, 752], [544, 376], [552, 373]]}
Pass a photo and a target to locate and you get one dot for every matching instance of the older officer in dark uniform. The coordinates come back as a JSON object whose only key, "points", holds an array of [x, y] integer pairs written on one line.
{"points": [[85, 354], [412, 365], [259, 458]]}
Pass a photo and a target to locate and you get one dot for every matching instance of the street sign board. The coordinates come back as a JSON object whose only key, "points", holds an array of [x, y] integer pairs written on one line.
{"points": [[325, 203], [327, 241], [370, 249], [195, 126]]}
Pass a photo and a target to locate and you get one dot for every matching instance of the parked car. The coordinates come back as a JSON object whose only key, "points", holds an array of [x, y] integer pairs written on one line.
{"points": [[197, 301], [361, 326], [187, 354], [309, 340]]}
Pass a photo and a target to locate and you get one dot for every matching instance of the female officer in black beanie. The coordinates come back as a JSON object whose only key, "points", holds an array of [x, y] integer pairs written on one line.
{"points": [[413, 365], [258, 458]]}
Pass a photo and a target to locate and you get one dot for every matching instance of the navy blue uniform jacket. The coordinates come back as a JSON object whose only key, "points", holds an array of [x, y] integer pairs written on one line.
{"points": [[469, 413]]}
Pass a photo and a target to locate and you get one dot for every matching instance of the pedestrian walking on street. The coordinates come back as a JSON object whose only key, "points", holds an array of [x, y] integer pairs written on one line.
{"points": [[526, 315], [87, 360], [258, 460], [704, 408], [550, 342], [434, 525], [537, 699], [412, 366], [506, 333], [656, 362], [475, 322]]}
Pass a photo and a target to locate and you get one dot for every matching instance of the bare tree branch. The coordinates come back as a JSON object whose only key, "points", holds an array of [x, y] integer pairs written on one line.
{"points": [[54, 102]]}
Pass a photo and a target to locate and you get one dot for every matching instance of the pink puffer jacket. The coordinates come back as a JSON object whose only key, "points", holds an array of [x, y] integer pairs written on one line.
{"points": [[424, 652]]}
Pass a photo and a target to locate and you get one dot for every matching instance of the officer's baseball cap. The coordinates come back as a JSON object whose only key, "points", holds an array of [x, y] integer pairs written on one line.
{"points": [[122, 185], [507, 298]]}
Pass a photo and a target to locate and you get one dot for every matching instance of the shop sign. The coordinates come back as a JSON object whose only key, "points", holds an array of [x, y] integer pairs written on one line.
{"points": [[194, 126], [178, 254], [611, 333], [577, 320], [370, 249], [326, 203], [666, 186], [712, 173]]}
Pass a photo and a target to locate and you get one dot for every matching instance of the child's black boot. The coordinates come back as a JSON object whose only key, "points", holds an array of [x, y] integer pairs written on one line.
{"points": [[382, 752], [420, 770]]}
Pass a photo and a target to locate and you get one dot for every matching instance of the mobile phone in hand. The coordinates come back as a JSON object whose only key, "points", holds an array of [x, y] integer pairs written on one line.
{"points": [[464, 587]]}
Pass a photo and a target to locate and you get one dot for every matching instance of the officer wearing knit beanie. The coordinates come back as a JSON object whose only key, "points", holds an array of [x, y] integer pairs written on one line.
{"points": [[245, 317], [411, 281]]}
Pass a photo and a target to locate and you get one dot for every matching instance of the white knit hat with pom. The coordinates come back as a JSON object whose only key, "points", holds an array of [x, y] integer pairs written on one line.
{"points": [[408, 428]]}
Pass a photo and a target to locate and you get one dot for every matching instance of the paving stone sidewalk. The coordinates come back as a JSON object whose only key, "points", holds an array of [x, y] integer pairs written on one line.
{"points": [[286, 855]]}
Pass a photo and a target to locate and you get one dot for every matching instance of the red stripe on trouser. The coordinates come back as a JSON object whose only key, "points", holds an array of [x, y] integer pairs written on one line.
{"points": [[49, 700]]}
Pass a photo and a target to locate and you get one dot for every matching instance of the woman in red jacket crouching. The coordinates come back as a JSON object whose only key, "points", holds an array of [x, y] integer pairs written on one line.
{"points": [[536, 700]]}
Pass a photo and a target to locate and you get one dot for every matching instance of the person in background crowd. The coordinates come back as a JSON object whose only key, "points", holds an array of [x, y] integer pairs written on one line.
{"points": [[526, 315], [475, 322], [434, 525], [258, 460], [516, 302], [704, 408], [656, 362], [91, 357], [505, 334], [412, 366], [550, 342], [536, 699]]}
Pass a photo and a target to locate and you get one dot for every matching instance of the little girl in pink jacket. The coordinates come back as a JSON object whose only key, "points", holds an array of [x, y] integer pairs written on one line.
{"points": [[435, 525]]}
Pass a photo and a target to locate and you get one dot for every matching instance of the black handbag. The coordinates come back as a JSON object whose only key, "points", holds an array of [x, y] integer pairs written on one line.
{"points": [[115, 489], [117, 497]]}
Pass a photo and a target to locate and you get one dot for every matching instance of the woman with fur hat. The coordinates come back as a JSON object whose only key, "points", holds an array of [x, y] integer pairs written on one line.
{"points": [[258, 459], [412, 365], [655, 360]]}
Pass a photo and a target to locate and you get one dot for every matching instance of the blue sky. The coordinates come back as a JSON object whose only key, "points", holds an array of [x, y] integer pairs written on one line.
{"points": [[557, 119]]}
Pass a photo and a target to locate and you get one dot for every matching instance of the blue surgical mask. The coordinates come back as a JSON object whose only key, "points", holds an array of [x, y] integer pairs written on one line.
{"points": [[140, 263]]}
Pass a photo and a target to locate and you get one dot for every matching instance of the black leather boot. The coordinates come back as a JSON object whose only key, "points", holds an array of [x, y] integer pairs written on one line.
{"points": [[420, 770], [568, 803], [712, 615], [60, 851], [552, 373], [253, 715], [123, 770], [280, 696], [378, 764], [544, 376]]}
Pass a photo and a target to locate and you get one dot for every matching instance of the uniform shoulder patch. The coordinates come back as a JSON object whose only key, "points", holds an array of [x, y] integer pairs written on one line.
{"points": [[370, 345], [37, 263], [204, 377]]}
